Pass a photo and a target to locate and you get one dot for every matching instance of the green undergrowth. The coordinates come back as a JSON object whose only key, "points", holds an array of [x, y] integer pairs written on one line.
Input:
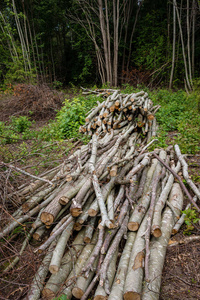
{"points": [[178, 118]]}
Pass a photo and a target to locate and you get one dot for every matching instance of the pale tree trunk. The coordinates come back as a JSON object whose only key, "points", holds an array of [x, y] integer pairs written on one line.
{"points": [[126, 18], [10, 40], [193, 34], [183, 47], [104, 37], [188, 42], [116, 38], [26, 58], [174, 46], [108, 39]]}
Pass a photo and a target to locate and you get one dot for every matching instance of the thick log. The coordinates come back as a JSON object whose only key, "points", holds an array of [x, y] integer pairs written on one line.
{"points": [[89, 230], [159, 245], [81, 261], [102, 292], [143, 203], [60, 248], [84, 215], [156, 179], [56, 280], [156, 222], [94, 208], [34, 200], [134, 277], [76, 207], [112, 249], [39, 233], [118, 285], [110, 205]]}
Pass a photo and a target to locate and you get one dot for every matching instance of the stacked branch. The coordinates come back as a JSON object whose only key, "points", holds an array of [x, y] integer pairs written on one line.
{"points": [[109, 199], [119, 110]]}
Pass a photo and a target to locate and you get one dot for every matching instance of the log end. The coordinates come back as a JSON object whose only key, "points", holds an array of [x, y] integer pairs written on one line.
{"points": [[75, 212], [99, 297], [25, 207], [36, 236], [113, 171], [69, 178], [47, 218], [48, 294], [174, 231], [92, 212], [77, 292], [133, 226], [64, 200], [77, 226], [150, 117], [132, 296], [87, 240], [156, 232], [53, 269]]}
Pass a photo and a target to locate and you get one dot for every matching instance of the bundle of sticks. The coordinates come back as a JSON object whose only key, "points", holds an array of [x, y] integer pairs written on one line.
{"points": [[118, 110], [101, 208]]}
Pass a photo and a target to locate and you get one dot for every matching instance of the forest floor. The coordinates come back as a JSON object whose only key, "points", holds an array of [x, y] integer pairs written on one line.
{"points": [[181, 273]]}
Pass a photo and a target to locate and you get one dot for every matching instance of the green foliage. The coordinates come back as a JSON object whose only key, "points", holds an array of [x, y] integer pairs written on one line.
{"points": [[179, 113], [151, 46], [16, 72], [20, 124], [18, 128], [62, 297], [57, 84], [73, 114], [191, 218]]}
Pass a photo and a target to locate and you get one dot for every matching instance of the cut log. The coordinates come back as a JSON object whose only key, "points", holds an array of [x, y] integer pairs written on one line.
{"points": [[159, 245], [55, 282], [60, 248]]}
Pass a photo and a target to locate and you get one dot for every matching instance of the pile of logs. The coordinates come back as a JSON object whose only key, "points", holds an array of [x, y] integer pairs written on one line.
{"points": [[108, 210], [120, 110]]}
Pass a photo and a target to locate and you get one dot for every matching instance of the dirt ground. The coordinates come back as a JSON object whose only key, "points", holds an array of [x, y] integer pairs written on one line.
{"points": [[181, 273]]}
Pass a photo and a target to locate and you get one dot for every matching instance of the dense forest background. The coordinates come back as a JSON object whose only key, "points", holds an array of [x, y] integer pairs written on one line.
{"points": [[155, 43]]}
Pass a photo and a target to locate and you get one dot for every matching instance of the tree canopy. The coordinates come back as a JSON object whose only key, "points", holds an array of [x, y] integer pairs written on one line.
{"points": [[100, 42]]}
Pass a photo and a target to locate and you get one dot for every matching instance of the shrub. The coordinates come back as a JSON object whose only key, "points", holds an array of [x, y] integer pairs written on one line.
{"points": [[73, 114], [20, 124]]}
